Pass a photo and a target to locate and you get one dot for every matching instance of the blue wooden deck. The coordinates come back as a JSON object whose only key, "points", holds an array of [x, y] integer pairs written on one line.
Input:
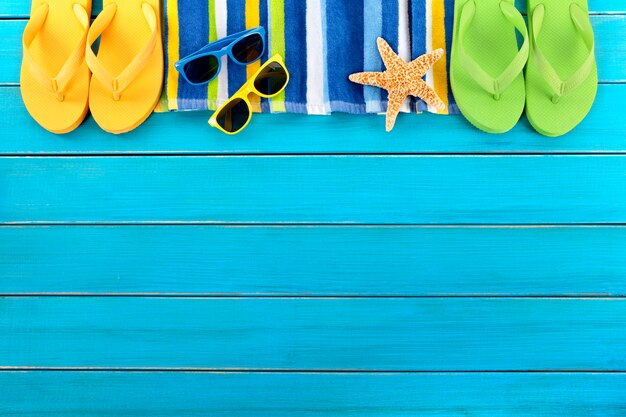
{"points": [[314, 266]]}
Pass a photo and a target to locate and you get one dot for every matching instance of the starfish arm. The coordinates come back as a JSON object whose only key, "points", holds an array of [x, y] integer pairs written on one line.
{"points": [[396, 100], [423, 91], [390, 58], [377, 79], [422, 64]]}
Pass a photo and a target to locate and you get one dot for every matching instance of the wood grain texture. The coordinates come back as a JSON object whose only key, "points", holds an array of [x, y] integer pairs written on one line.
{"points": [[305, 189], [329, 261], [115, 394], [610, 49], [432, 334], [188, 133], [21, 8], [390, 300]]}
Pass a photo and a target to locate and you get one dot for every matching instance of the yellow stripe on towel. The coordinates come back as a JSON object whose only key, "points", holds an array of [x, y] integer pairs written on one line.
{"points": [[173, 54], [253, 19], [439, 41], [212, 88], [277, 45]]}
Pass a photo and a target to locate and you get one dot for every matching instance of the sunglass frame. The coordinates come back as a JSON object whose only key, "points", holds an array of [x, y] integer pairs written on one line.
{"points": [[218, 49]]}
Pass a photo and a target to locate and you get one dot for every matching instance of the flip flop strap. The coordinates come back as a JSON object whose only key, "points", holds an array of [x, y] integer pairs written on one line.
{"points": [[559, 86], [58, 83], [117, 84], [490, 84]]}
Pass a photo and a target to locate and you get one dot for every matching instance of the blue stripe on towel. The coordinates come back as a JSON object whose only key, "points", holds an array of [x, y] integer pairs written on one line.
{"points": [[390, 23], [373, 29], [390, 33], [418, 29], [296, 56], [345, 54], [237, 75], [418, 37], [193, 16]]}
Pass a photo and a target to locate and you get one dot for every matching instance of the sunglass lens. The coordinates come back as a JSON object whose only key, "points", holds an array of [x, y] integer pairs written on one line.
{"points": [[271, 80], [202, 69], [249, 49], [234, 116]]}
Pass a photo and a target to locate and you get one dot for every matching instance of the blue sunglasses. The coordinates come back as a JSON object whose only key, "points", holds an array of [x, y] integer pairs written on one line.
{"points": [[204, 65]]}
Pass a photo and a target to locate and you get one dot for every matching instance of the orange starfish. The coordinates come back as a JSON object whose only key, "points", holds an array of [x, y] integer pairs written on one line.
{"points": [[402, 79]]}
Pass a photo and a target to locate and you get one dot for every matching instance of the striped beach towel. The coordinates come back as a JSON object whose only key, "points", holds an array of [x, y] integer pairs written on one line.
{"points": [[322, 41]]}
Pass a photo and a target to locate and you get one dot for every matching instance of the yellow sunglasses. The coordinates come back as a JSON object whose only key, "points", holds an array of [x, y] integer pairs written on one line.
{"points": [[269, 81]]}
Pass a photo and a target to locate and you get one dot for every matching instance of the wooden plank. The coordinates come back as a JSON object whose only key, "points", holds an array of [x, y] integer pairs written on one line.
{"points": [[602, 131], [596, 6], [328, 261], [115, 394], [21, 8], [417, 334], [610, 49], [319, 189]]}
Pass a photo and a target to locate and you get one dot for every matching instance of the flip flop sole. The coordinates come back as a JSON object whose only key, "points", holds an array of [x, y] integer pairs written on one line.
{"points": [[55, 42], [492, 41], [120, 43], [565, 50]]}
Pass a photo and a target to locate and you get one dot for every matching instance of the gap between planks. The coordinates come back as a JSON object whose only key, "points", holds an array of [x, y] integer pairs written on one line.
{"points": [[297, 296], [194, 154], [377, 155], [209, 223], [243, 371], [598, 297]]}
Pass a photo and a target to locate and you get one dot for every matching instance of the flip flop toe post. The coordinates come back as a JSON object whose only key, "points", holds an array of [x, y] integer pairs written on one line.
{"points": [[54, 78], [128, 69], [561, 76], [487, 63]]}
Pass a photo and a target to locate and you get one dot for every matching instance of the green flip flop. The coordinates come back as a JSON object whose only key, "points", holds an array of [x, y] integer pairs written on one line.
{"points": [[561, 75], [487, 66]]}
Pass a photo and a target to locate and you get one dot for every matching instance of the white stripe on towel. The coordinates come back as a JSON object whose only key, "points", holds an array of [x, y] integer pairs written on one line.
{"points": [[315, 60], [221, 19], [404, 40]]}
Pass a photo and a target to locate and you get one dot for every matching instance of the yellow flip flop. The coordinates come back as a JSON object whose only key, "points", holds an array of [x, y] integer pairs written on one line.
{"points": [[128, 70], [54, 78]]}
